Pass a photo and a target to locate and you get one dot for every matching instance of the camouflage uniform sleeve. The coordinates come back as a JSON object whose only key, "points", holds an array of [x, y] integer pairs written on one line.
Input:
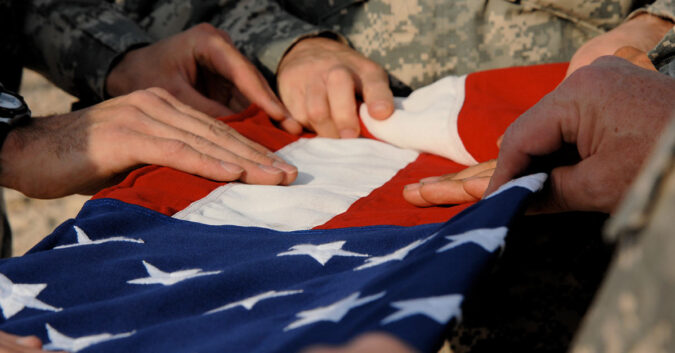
{"points": [[663, 55], [634, 310], [76, 43], [264, 31]]}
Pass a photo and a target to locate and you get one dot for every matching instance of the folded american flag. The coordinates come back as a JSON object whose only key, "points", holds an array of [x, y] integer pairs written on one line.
{"points": [[168, 262]]}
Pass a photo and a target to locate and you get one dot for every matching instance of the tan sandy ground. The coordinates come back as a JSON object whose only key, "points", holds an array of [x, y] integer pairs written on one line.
{"points": [[31, 219]]}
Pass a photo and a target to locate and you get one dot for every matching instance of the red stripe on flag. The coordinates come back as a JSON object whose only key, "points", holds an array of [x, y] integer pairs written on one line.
{"points": [[495, 98]]}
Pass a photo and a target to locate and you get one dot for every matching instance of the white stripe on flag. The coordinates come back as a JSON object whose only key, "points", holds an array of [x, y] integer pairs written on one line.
{"points": [[333, 175], [426, 121]]}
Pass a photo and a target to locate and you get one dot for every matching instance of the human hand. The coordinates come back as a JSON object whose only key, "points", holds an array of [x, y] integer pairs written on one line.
{"points": [[19, 344], [368, 343], [202, 68], [86, 150], [318, 80], [613, 112], [466, 186], [642, 32]]}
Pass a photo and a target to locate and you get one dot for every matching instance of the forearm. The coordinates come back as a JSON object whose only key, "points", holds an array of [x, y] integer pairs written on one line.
{"points": [[263, 31], [661, 8], [76, 43]]}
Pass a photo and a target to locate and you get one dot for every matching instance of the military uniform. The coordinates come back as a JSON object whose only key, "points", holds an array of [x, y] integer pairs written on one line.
{"points": [[635, 310], [663, 55], [420, 41], [416, 41]]}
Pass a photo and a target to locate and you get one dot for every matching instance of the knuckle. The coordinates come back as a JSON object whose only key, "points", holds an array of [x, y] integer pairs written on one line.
{"points": [[175, 147], [158, 91], [317, 113], [338, 76], [200, 142], [602, 190], [216, 43], [141, 97], [126, 113], [205, 28], [371, 68], [220, 129]]}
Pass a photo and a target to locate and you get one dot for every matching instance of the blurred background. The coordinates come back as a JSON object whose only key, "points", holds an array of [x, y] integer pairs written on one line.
{"points": [[31, 219]]}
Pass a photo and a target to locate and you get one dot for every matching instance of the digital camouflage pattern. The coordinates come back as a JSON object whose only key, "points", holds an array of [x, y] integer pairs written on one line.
{"points": [[75, 43], [663, 55], [417, 41], [543, 284], [420, 41], [635, 311]]}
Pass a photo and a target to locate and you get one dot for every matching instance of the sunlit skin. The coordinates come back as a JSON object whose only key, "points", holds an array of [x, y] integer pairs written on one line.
{"points": [[642, 32], [612, 111], [630, 41], [86, 150], [319, 80], [202, 68]]}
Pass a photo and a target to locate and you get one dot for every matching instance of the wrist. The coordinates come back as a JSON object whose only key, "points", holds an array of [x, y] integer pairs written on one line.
{"points": [[645, 30], [121, 79], [326, 42]]}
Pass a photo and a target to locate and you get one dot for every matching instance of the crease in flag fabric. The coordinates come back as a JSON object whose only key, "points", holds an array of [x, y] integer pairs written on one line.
{"points": [[166, 261], [179, 286]]}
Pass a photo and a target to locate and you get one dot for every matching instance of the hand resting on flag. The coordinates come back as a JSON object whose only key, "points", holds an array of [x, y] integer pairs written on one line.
{"points": [[612, 111], [86, 150]]}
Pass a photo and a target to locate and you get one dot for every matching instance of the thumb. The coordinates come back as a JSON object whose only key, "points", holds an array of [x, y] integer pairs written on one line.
{"points": [[573, 188]]}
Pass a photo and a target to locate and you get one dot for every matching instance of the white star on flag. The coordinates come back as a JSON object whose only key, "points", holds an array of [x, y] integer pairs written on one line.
{"points": [[333, 312], [157, 276], [15, 297], [397, 255], [60, 341], [532, 182], [488, 238], [250, 302], [440, 309], [83, 239], [321, 253]]}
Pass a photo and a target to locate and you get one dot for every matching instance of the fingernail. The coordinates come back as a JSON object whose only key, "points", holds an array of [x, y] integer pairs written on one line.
{"points": [[275, 157], [412, 187], [432, 179], [348, 133], [379, 105], [232, 168], [269, 169], [290, 169]]}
